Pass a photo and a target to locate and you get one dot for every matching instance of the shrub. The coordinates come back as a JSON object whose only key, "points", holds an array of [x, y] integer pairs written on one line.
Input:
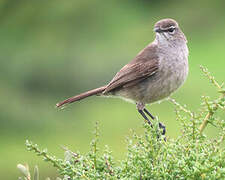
{"points": [[190, 156]]}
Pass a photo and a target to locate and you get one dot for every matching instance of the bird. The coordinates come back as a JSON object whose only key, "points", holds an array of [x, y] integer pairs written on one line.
{"points": [[153, 75]]}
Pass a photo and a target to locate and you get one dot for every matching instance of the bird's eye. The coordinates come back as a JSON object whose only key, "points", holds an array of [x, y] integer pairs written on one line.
{"points": [[171, 30]]}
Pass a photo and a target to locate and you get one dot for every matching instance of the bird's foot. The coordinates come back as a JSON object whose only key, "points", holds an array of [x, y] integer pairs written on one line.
{"points": [[142, 110], [163, 127]]}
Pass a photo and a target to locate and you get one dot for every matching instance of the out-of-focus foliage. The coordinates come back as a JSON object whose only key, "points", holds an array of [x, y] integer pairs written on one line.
{"points": [[51, 50]]}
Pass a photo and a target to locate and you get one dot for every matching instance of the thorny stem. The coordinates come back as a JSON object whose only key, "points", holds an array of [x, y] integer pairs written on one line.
{"points": [[205, 122], [210, 113], [73, 153], [30, 147], [211, 78], [181, 107]]}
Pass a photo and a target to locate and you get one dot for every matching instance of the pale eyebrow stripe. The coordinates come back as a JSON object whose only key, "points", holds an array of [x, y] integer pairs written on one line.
{"points": [[167, 29]]}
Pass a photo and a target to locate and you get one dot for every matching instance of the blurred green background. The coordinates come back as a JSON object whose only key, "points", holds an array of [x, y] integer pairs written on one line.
{"points": [[51, 50]]}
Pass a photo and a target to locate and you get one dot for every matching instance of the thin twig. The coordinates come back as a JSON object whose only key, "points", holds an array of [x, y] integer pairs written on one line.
{"points": [[66, 149], [181, 107], [210, 111], [205, 122]]}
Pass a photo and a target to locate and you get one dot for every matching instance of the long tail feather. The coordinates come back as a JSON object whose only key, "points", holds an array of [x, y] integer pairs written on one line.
{"points": [[81, 96]]}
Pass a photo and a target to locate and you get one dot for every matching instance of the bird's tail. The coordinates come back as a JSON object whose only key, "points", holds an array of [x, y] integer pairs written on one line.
{"points": [[81, 96]]}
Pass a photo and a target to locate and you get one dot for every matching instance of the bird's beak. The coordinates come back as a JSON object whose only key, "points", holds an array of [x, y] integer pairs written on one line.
{"points": [[157, 29]]}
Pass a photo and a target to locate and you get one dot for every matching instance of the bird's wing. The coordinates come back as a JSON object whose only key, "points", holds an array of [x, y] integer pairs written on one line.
{"points": [[143, 66]]}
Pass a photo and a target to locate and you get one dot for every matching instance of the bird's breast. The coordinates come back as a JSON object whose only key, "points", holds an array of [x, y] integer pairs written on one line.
{"points": [[172, 72]]}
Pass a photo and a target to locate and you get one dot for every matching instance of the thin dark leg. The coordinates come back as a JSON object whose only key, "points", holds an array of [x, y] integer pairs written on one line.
{"points": [[161, 126], [148, 113], [145, 117]]}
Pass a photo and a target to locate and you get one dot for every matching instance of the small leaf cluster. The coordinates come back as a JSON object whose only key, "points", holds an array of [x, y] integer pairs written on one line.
{"points": [[150, 155]]}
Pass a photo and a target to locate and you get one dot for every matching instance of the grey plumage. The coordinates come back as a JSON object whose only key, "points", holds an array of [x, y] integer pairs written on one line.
{"points": [[156, 72]]}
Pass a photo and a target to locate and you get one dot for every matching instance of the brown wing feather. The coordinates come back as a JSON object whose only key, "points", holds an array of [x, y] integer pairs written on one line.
{"points": [[144, 65]]}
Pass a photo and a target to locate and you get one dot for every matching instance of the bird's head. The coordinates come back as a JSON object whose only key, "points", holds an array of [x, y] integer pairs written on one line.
{"points": [[168, 30]]}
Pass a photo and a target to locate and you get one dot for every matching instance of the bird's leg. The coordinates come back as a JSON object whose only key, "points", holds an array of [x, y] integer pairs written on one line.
{"points": [[161, 126], [148, 113], [140, 108], [145, 117]]}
